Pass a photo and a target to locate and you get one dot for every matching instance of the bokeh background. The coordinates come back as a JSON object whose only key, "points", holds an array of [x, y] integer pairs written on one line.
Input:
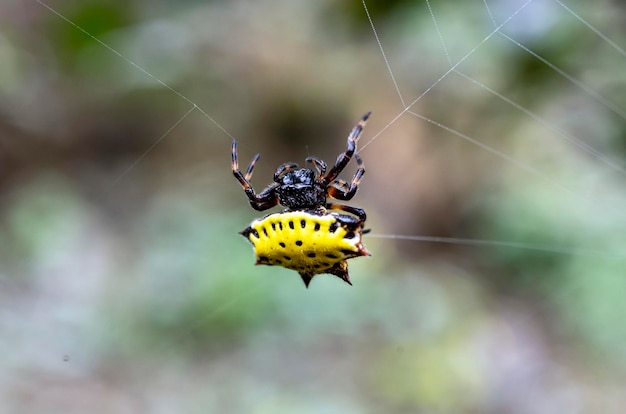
{"points": [[125, 288]]}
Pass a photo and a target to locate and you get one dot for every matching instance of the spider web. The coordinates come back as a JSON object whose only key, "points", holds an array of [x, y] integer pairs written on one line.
{"points": [[550, 188]]}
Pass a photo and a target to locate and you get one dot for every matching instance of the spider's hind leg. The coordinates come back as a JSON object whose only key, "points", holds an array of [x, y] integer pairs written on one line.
{"points": [[359, 212]]}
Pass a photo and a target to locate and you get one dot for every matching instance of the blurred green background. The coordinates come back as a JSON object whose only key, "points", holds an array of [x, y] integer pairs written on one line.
{"points": [[124, 286]]}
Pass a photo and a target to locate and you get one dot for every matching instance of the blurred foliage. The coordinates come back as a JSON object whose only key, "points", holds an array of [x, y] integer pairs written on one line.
{"points": [[126, 288]]}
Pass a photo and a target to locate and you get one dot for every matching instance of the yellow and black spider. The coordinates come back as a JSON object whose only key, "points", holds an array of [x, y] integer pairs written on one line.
{"points": [[306, 237]]}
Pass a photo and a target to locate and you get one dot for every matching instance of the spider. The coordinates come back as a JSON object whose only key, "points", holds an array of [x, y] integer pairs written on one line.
{"points": [[323, 240]]}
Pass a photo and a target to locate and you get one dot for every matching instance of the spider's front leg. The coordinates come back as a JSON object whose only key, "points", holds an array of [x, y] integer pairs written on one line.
{"points": [[260, 202], [340, 190], [285, 167], [344, 158], [319, 165]]}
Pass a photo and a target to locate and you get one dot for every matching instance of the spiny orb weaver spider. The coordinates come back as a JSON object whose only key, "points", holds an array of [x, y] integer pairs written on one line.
{"points": [[305, 236]]}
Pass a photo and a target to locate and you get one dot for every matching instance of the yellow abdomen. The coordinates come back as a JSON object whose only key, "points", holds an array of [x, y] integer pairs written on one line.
{"points": [[307, 242]]}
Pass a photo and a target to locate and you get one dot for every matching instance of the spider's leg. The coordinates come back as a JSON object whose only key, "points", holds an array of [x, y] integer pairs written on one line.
{"points": [[243, 180], [320, 165], [359, 212], [261, 201], [281, 169], [266, 199], [251, 167], [340, 189], [340, 185], [344, 158], [235, 167]]}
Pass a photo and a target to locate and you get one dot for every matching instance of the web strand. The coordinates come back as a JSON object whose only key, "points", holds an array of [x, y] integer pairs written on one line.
{"points": [[517, 106], [382, 52], [565, 250], [589, 91], [495, 152], [500, 154], [577, 142], [446, 73], [439, 35], [485, 147], [157, 142], [595, 95], [593, 29], [585, 147], [135, 65]]}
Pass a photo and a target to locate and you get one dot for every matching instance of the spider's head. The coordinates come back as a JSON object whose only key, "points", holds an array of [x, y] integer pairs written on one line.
{"points": [[300, 190]]}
